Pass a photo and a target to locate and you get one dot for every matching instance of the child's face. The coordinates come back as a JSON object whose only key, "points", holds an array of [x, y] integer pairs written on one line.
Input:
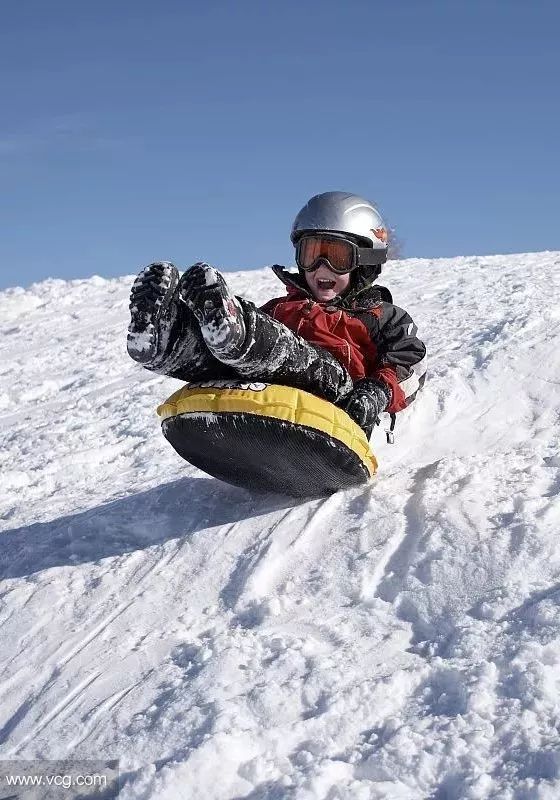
{"points": [[325, 284]]}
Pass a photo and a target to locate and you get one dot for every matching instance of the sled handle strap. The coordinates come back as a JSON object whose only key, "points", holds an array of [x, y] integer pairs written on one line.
{"points": [[390, 432]]}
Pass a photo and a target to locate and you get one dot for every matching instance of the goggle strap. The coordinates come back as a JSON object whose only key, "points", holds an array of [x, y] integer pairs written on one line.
{"points": [[368, 257]]}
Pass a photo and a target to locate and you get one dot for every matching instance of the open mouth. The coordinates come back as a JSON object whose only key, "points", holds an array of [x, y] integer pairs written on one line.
{"points": [[325, 284]]}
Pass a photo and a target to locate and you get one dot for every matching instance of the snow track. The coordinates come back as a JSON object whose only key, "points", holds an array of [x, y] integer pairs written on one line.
{"points": [[396, 641]]}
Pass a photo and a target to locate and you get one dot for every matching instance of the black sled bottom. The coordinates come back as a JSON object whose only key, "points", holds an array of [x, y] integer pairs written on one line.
{"points": [[276, 456]]}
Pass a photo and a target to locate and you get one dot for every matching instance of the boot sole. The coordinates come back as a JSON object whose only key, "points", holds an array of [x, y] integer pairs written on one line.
{"points": [[150, 296], [206, 294]]}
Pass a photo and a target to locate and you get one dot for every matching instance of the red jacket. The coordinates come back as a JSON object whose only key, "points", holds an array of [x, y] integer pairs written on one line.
{"points": [[367, 333]]}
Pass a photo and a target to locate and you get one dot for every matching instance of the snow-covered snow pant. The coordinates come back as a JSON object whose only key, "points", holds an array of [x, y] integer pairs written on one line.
{"points": [[270, 352]]}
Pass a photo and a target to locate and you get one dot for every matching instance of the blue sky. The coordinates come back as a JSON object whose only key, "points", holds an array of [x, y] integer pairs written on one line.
{"points": [[132, 131]]}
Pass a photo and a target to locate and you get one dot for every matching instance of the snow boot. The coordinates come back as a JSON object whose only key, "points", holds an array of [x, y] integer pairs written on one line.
{"points": [[153, 313], [217, 310]]}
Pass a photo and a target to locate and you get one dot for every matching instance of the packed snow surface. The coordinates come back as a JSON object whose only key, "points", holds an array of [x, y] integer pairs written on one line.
{"points": [[397, 641]]}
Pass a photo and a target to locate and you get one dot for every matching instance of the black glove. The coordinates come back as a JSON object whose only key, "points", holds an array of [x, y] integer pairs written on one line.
{"points": [[366, 402]]}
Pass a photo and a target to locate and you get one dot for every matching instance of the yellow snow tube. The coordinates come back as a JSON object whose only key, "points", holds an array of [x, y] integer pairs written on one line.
{"points": [[267, 437]]}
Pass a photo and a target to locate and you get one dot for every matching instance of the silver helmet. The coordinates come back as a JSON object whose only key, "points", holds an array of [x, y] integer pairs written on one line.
{"points": [[345, 214]]}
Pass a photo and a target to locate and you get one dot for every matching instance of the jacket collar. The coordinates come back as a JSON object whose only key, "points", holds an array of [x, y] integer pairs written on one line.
{"points": [[360, 299]]}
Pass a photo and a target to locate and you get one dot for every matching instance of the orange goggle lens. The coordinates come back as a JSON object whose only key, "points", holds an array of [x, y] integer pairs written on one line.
{"points": [[340, 253]]}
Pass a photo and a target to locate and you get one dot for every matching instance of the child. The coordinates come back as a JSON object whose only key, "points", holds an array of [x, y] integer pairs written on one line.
{"points": [[334, 334]]}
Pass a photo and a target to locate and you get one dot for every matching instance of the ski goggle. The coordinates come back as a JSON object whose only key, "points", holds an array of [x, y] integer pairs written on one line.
{"points": [[341, 255]]}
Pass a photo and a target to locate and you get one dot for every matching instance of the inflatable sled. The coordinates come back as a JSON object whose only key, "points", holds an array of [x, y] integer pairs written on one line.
{"points": [[267, 437]]}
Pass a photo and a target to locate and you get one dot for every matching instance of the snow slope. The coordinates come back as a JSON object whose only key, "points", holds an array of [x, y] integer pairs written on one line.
{"points": [[399, 640]]}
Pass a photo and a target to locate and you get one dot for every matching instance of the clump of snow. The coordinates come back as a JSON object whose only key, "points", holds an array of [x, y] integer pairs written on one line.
{"points": [[395, 641]]}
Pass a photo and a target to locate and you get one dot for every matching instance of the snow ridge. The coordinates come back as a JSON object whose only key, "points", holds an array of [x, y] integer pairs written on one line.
{"points": [[395, 641]]}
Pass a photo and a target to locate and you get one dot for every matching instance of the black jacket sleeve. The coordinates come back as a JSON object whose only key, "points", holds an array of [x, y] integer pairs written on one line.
{"points": [[401, 354]]}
